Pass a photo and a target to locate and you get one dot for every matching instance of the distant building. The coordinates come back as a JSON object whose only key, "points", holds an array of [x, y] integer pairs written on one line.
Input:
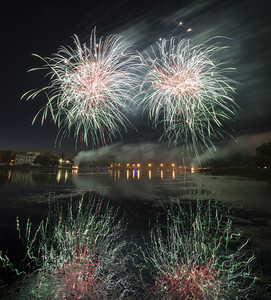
{"points": [[65, 163], [25, 158]]}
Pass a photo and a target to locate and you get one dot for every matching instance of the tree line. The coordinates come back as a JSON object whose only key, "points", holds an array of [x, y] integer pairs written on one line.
{"points": [[47, 159], [262, 158]]}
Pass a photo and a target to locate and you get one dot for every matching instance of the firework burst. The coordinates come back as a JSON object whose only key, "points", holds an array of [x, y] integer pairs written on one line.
{"points": [[90, 88], [187, 90]]}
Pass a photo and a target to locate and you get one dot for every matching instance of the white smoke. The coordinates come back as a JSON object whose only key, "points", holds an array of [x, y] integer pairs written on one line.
{"points": [[161, 152], [141, 152], [244, 143]]}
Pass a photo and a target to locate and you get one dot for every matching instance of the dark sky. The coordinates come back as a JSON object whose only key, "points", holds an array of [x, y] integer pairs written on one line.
{"points": [[43, 26]]}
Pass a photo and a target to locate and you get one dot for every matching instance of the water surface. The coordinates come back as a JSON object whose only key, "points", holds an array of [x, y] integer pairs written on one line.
{"points": [[140, 194]]}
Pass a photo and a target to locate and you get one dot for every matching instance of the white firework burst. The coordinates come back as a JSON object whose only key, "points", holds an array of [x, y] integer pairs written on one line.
{"points": [[188, 91], [90, 88]]}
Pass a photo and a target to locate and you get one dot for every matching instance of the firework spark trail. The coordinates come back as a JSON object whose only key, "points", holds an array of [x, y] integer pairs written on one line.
{"points": [[196, 259], [187, 91], [78, 251], [90, 88]]}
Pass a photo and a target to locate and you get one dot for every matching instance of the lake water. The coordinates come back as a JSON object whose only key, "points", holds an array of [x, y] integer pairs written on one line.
{"points": [[140, 195]]}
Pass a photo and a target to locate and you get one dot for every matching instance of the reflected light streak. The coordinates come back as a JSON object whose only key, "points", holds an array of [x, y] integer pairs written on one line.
{"points": [[9, 174], [74, 171], [66, 175], [149, 174], [162, 174], [173, 174], [127, 174], [58, 176], [138, 174]]}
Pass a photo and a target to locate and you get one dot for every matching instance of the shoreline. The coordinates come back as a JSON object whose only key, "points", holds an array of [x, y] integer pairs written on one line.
{"points": [[262, 174]]}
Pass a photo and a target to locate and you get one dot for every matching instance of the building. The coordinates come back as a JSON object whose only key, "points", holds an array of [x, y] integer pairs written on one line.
{"points": [[25, 158], [65, 163]]}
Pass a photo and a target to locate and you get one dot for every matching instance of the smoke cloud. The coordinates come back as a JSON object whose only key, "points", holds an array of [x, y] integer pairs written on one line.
{"points": [[141, 152], [161, 152], [244, 143]]}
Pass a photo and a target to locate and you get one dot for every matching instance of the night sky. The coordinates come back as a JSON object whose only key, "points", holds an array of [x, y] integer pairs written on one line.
{"points": [[44, 26]]}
